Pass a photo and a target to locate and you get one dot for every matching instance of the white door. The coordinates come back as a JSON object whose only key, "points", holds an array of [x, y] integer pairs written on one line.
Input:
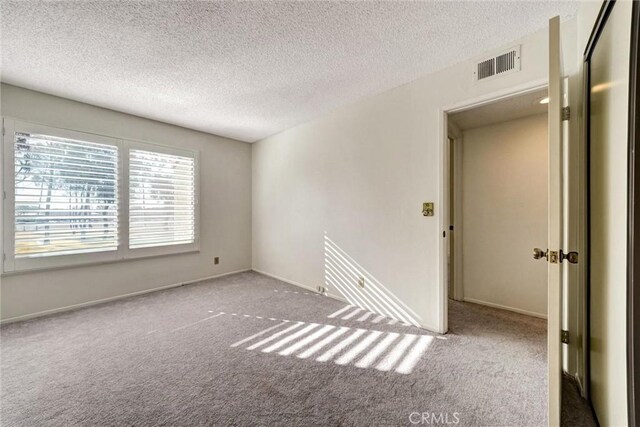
{"points": [[555, 254]]}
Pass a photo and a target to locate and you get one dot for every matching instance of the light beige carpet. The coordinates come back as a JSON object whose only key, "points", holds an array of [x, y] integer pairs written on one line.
{"points": [[250, 350]]}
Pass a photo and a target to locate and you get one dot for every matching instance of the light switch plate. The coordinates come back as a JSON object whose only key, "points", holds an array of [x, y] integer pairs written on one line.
{"points": [[427, 209]]}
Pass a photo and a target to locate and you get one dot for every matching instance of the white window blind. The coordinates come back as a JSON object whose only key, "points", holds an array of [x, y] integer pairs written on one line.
{"points": [[66, 196], [161, 199]]}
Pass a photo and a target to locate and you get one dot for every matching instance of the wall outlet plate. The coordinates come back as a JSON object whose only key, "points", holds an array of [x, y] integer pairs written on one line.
{"points": [[361, 282]]}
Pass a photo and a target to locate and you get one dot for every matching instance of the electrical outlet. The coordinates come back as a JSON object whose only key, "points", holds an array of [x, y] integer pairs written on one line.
{"points": [[216, 260], [361, 282], [322, 289]]}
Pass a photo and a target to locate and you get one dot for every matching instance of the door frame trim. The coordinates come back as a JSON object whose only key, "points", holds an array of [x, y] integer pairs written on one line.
{"points": [[442, 205], [633, 248]]}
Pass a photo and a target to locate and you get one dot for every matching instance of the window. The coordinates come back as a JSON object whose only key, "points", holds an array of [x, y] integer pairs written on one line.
{"points": [[161, 199], [74, 198], [66, 196]]}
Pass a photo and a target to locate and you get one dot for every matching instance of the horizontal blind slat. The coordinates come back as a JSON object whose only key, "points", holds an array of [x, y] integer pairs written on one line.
{"points": [[71, 240], [166, 177], [156, 156], [23, 199], [76, 173], [147, 204], [89, 224], [182, 170], [76, 178], [165, 223], [70, 164], [160, 230], [63, 155], [140, 243], [58, 232], [149, 190]]}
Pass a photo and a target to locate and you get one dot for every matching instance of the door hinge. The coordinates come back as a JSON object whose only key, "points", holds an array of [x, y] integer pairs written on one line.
{"points": [[566, 113], [564, 336]]}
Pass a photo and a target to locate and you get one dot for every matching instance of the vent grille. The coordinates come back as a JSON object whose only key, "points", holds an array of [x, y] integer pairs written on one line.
{"points": [[503, 63], [487, 68]]}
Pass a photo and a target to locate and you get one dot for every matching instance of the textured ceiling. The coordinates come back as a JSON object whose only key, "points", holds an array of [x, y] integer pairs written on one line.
{"points": [[501, 111], [246, 70]]}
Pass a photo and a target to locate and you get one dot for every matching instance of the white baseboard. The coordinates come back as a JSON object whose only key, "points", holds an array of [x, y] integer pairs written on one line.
{"points": [[300, 285], [114, 298], [330, 295], [506, 307]]}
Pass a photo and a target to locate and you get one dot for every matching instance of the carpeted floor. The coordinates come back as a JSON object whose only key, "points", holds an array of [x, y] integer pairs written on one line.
{"points": [[250, 350], [576, 411]]}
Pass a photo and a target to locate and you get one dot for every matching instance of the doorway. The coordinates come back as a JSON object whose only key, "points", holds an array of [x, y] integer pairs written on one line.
{"points": [[498, 184]]}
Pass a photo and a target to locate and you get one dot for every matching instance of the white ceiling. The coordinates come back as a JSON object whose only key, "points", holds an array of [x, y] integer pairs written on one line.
{"points": [[246, 70], [511, 108]]}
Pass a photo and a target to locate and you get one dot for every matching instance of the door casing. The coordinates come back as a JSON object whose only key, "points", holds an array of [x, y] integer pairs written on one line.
{"points": [[443, 200]]}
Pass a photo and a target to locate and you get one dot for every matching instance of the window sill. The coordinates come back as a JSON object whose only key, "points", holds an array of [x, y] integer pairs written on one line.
{"points": [[140, 257]]}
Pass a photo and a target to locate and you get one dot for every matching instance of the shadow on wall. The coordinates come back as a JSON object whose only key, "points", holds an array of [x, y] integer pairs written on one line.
{"points": [[359, 287]]}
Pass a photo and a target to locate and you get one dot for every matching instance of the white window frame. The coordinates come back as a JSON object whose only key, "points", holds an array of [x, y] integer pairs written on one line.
{"points": [[12, 265]]}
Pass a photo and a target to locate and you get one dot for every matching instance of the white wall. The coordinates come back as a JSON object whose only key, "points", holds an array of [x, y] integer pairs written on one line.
{"points": [[225, 199], [609, 145], [360, 174], [504, 203]]}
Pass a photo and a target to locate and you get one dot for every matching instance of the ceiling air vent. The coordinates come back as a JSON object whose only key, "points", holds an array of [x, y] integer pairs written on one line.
{"points": [[503, 63]]}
